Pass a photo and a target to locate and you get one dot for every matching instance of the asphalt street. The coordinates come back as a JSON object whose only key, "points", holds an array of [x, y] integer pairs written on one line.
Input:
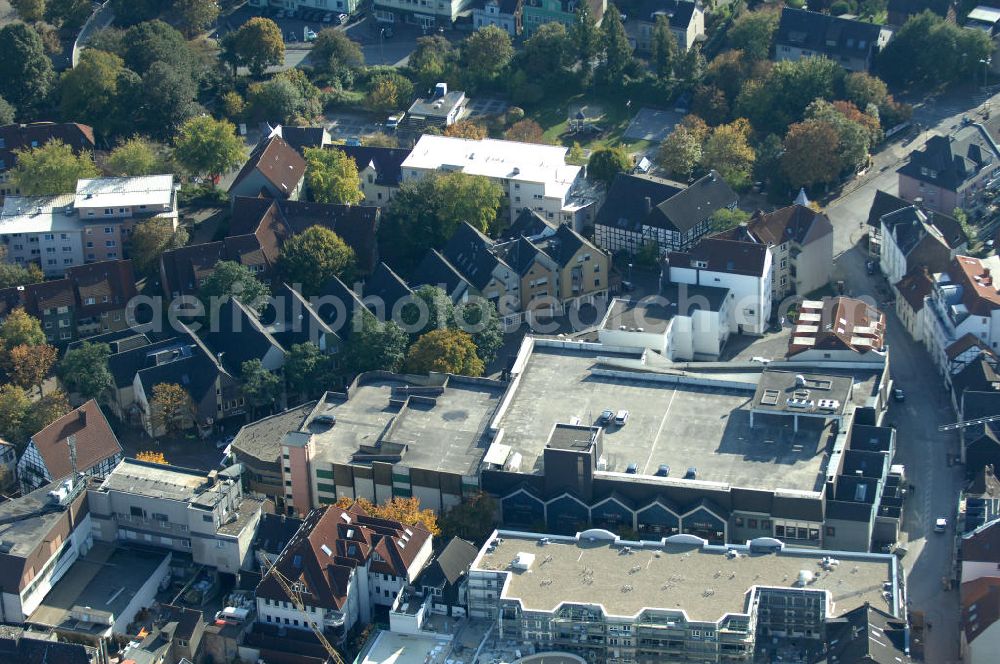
{"points": [[920, 446]]}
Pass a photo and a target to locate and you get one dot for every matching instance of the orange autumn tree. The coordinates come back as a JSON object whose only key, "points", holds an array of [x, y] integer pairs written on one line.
{"points": [[405, 510]]}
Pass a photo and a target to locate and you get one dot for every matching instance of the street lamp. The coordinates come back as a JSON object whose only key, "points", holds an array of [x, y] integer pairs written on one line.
{"points": [[630, 272], [986, 62], [381, 44]]}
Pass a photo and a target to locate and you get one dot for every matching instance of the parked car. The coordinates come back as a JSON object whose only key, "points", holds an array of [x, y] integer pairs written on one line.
{"points": [[342, 18], [605, 417], [663, 470], [898, 394], [632, 469], [621, 417], [941, 525], [691, 474]]}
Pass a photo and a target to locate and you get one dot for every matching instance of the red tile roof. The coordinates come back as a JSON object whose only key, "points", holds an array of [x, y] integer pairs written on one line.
{"points": [[94, 441], [332, 542], [278, 162], [914, 287], [979, 290], [980, 605], [795, 223], [845, 324]]}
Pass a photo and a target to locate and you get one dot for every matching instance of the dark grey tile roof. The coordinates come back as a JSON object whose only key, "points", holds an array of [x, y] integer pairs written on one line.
{"points": [[384, 283], [471, 253], [301, 138], [626, 204], [730, 256], [239, 337], [126, 364], [528, 224], [882, 205], [387, 162], [262, 439], [436, 270], [949, 161], [679, 12], [275, 531], [866, 634], [688, 208], [830, 35]]}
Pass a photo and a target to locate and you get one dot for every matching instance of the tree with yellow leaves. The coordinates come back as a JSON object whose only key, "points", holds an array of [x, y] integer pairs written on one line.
{"points": [[405, 510], [149, 456]]}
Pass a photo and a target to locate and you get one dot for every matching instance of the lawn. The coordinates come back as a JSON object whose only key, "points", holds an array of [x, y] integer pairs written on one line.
{"points": [[610, 115]]}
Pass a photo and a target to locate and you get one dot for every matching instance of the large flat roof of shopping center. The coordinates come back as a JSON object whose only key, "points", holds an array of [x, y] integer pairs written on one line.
{"points": [[679, 425], [701, 581], [443, 432], [393, 648]]}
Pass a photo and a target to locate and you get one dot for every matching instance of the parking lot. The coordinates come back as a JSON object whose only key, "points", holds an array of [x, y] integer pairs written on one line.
{"points": [[293, 26], [348, 125]]}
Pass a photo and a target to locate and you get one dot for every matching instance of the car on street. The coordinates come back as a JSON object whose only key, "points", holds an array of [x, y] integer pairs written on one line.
{"points": [[691, 474], [898, 394], [605, 417], [632, 469], [663, 470], [941, 525], [342, 18]]}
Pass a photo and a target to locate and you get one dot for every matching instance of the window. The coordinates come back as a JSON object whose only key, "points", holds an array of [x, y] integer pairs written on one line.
{"points": [[207, 518], [752, 523], [108, 230], [90, 300], [109, 243], [137, 511], [779, 531], [50, 236], [831, 531], [739, 522], [90, 245]]}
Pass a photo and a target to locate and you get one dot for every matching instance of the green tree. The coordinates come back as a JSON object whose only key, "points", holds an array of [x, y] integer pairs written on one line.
{"points": [[7, 112], [148, 241], [807, 158], [26, 74], [466, 129], [605, 163], [782, 98], [432, 60], [29, 11], [171, 408], [12, 274], [150, 42], [336, 54], [260, 387], [307, 370], [51, 169], [195, 16], [617, 50], [728, 71], [375, 346], [585, 33], [930, 51], [167, 99], [864, 90], [480, 319], [233, 105], [663, 48], [276, 100], [426, 212], [680, 152], [84, 370], [20, 329], [332, 176], [728, 151], [690, 68], [206, 146], [487, 52], [709, 103], [131, 12], [313, 257], [256, 45], [444, 351], [548, 52], [45, 411], [853, 139], [69, 15], [473, 519], [439, 310], [14, 406], [753, 33], [231, 279], [723, 219], [136, 156], [389, 91]]}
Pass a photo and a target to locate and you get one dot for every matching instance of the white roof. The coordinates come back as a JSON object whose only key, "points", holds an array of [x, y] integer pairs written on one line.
{"points": [[504, 160], [38, 214], [985, 14], [151, 190]]}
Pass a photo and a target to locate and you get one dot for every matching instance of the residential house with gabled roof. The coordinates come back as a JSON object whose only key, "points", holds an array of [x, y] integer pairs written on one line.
{"points": [[347, 563], [91, 299], [446, 579], [685, 17], [850, 43], [951, 171], [471, 253], [32, 647], [273, 170], [980, 620], [505, 14], [14, 137], [801, 244], [300, 138], [539, 12], [916, 238], [838, 329], [385, 288], [911, 291], [882, 205], [290, 318], [81, 441], [380, 170], [642, 209], [744, 268], [965, 299], [865, 635], [436, 270], [257, 229]]}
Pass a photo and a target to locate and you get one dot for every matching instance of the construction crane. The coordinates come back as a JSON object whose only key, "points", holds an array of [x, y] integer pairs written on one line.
{"points": [[293, 589], [968, 423]]}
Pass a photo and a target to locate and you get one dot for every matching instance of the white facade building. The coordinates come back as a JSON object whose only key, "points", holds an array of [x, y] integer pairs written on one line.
{"points": [[532, 176], [963, 300]]}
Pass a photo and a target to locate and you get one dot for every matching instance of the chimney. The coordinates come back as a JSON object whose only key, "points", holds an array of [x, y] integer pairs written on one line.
{"points": [[82, 415], [649, 204]]}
